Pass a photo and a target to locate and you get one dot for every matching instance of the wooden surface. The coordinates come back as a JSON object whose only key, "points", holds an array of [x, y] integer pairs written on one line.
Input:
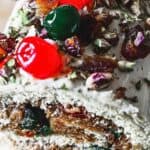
{"points": [[5, 12]]}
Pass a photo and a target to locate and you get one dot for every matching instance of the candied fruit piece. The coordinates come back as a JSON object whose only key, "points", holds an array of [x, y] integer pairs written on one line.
{"points": [[46, 6], [3, 53]]}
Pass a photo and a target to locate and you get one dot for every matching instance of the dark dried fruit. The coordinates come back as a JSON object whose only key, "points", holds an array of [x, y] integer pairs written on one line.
{"points": [[72, 46], [2, 36], [98, 64], [120, 93], [86, 29], [131, 52], [136, 45], [37, 23], [7, 43]]}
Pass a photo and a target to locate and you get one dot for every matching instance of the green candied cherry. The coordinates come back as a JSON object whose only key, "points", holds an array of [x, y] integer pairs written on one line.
{"points": [[62, 22]]}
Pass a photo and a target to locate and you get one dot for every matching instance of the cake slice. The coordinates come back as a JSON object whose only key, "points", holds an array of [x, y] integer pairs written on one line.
{"points": [[62, 76], [39, 117]]}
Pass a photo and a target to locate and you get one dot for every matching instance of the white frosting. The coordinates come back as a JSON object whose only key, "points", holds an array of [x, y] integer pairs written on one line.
{"points": [[5, 142]]}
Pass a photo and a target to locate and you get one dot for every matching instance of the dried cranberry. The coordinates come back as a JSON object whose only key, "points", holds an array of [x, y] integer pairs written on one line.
{"points": [[98, 64], [131, 52]]}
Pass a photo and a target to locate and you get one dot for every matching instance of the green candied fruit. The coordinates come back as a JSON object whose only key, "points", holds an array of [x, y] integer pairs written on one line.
{"points": [[35, 119], [30, 121], [62, 22], [45, 131]]}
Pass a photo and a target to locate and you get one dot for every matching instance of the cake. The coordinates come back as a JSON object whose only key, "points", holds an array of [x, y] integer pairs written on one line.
{"points": [[58, 76]]}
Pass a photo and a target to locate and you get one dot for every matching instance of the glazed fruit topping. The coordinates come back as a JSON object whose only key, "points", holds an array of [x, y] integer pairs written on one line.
{"points": [[79, 4], [7, 43], [63, 22], [39, 57], [45, 6]]}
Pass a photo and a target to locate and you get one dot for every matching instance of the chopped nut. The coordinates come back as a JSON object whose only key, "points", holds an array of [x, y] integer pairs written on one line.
{"points": [[111, 37], [101, 46], [98, 80], [72, 46], [126, 65], [73, 76], [147, 23]]}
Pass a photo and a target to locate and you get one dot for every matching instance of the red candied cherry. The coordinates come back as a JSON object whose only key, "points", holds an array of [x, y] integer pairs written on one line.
{"points": [[79, 4], [39, 58]]}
